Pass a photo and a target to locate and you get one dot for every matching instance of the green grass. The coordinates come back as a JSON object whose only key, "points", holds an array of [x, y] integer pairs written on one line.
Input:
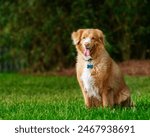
{"points": [[57, 97]]}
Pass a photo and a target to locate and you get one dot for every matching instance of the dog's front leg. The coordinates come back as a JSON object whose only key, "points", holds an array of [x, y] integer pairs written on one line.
{"points": [[87, 99], [104, 98], [107, 98]]}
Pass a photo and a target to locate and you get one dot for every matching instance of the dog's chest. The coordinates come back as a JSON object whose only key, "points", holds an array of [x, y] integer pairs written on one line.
{"points": [[89, 82]]}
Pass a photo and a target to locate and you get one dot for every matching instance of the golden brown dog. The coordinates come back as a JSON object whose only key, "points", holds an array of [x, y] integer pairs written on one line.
{"points": [[99, 77]]}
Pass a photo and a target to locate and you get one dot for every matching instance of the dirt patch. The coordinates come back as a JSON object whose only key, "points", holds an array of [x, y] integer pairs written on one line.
{"points": [[136, 67], [65, 72]]}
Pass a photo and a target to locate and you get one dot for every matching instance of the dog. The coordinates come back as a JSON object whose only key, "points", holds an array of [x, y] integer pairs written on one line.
{"points": [[100, 78]]}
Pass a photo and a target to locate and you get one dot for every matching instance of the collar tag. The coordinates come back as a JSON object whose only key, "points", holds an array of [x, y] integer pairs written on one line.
{"points": [[89, 66]]}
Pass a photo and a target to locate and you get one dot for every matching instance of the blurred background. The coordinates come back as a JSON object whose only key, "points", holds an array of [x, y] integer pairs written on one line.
{"points": [[35, 35]]}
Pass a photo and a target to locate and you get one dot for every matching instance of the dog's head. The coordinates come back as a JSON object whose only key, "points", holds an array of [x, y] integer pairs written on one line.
{"points": [[88, 41]]}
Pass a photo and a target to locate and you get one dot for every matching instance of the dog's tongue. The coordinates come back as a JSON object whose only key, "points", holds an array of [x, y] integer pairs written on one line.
{"points": [[86, 52]]}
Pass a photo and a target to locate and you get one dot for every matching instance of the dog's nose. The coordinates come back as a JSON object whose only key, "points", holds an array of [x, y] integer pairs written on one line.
{"points": [[87, 45]]}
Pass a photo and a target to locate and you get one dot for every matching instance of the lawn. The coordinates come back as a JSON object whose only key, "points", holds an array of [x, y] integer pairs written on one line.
{"points": [[58, 97]]}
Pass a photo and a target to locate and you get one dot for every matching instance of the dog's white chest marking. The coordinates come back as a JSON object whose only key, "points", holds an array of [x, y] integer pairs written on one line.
{"points": [[89, 83]]}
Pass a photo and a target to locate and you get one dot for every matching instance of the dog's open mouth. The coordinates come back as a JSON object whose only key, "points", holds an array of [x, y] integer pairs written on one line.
{"points": [[87, 52]]}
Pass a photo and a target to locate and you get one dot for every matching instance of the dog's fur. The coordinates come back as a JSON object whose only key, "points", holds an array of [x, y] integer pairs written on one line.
{"points": [[103, 84]]}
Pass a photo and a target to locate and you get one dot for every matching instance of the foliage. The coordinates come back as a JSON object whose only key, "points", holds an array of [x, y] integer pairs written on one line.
{"points": [[56, 97], [37, 32]]}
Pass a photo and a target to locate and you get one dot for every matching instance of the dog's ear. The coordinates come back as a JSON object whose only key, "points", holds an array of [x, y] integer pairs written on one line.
{"points": [[76, 36], [101, 36]]}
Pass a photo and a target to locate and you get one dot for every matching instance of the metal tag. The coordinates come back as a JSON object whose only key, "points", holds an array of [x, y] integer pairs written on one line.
{"points": [[89, 66]]}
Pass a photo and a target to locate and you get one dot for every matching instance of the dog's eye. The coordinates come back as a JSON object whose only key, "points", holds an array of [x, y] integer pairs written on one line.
{"points": [[83, 38], [93, 38]]}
